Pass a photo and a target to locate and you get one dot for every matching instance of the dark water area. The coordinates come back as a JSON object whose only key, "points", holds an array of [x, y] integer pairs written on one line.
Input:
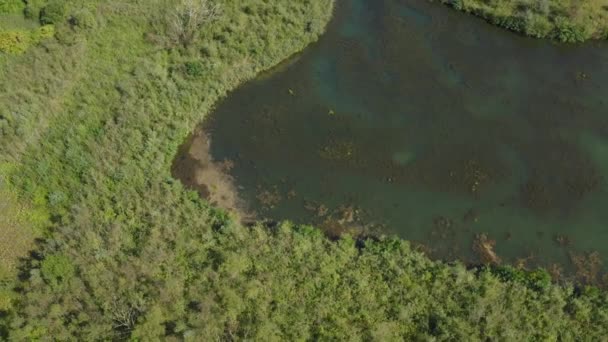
{"points": [[432, 125]]}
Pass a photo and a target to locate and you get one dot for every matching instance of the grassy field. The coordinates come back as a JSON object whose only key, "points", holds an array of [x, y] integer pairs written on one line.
{"points": [[563, 20], [89, 123]]}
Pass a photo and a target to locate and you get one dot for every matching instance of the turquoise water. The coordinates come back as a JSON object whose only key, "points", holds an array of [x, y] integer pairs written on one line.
{"points": [[412, 119]]}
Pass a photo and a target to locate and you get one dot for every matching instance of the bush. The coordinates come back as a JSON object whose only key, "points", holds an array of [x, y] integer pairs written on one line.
{"points": [[33, 8], [14, 41], [560, 20], [18, 41], [194, 69], [510, 22], [567, 32], [537, 280], [83, 19], [11, 6], [42, 33], [538, 26], [57, 269], [53, 13]]}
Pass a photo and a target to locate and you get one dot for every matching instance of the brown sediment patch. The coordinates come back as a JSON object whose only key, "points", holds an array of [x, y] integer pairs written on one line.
{"points": [[269, 198], [524, 262], [335, 228], [588, 267], [320, 210], [196, 169], [484, 247], [341, 221], [556, 271]]}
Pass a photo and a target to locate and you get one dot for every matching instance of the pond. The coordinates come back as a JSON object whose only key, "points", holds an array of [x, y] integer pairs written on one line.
{"points": [[412, 119]]}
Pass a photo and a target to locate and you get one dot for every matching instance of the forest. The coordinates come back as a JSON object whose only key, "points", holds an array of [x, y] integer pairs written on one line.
{"points": [[99, 241]]}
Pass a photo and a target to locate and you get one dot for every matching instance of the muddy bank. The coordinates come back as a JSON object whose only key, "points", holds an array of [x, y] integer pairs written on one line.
{"points": [[197, 170]]}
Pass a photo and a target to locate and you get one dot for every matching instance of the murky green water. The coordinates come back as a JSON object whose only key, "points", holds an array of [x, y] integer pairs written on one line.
{"points": [[434, 125]]}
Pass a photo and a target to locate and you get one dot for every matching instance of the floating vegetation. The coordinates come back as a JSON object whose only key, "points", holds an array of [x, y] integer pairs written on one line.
{"points": [[523, 263], [443, 227], [484, 247], [319, 210], [562, 240], [269, 198], [581, 76], [338, 151], [344, 219], [347, 214], [472, 175], [588, 267], [556, 271], [560, 177], [471, 216]]}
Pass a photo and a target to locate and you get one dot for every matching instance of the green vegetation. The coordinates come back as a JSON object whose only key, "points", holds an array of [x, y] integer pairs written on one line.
{"points": [[563, 20], [18, 41], [89, 124], [11, 6]]}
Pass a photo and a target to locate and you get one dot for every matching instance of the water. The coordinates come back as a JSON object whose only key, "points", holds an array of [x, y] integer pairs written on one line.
{"points": [[431, 125]]}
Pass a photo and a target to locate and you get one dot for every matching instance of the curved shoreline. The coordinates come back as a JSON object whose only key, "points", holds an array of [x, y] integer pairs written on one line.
{"points": [[133, 255], [202, 181]]}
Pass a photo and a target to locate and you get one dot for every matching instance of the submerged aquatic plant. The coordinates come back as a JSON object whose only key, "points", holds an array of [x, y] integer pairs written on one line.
{"points": [[338, 151]]}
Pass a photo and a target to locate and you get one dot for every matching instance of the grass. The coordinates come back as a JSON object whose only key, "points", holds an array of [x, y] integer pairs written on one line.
{"points": [[563, 20], [20, 225]]}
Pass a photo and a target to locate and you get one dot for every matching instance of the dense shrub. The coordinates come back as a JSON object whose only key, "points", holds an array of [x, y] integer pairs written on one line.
{"points": [[82, 19], [18, 41], [33, 8], [194, 68], [11, 6], [568, 21], [53, 13], [14, 41], [566, 32]]}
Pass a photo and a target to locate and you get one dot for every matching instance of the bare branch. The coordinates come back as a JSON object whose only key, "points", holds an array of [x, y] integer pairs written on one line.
{"points": [[186, 21]]}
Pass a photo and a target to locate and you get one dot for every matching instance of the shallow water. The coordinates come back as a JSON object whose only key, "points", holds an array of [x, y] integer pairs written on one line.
{"points": [[432, 125]]}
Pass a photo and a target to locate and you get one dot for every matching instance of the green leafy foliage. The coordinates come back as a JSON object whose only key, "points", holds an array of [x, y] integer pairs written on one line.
{"points": [[18, 41], [567, 32], [14, 41], [568, 21], [129, 254], [11, 6], [56, 269], [54, 12], [33, 7], [194, 68]]}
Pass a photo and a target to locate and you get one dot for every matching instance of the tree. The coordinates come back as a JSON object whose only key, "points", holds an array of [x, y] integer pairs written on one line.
{"points": [[185, 22]]}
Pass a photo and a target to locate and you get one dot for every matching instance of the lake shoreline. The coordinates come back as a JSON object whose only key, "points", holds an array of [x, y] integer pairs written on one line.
{"points": [[552, 20]]}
